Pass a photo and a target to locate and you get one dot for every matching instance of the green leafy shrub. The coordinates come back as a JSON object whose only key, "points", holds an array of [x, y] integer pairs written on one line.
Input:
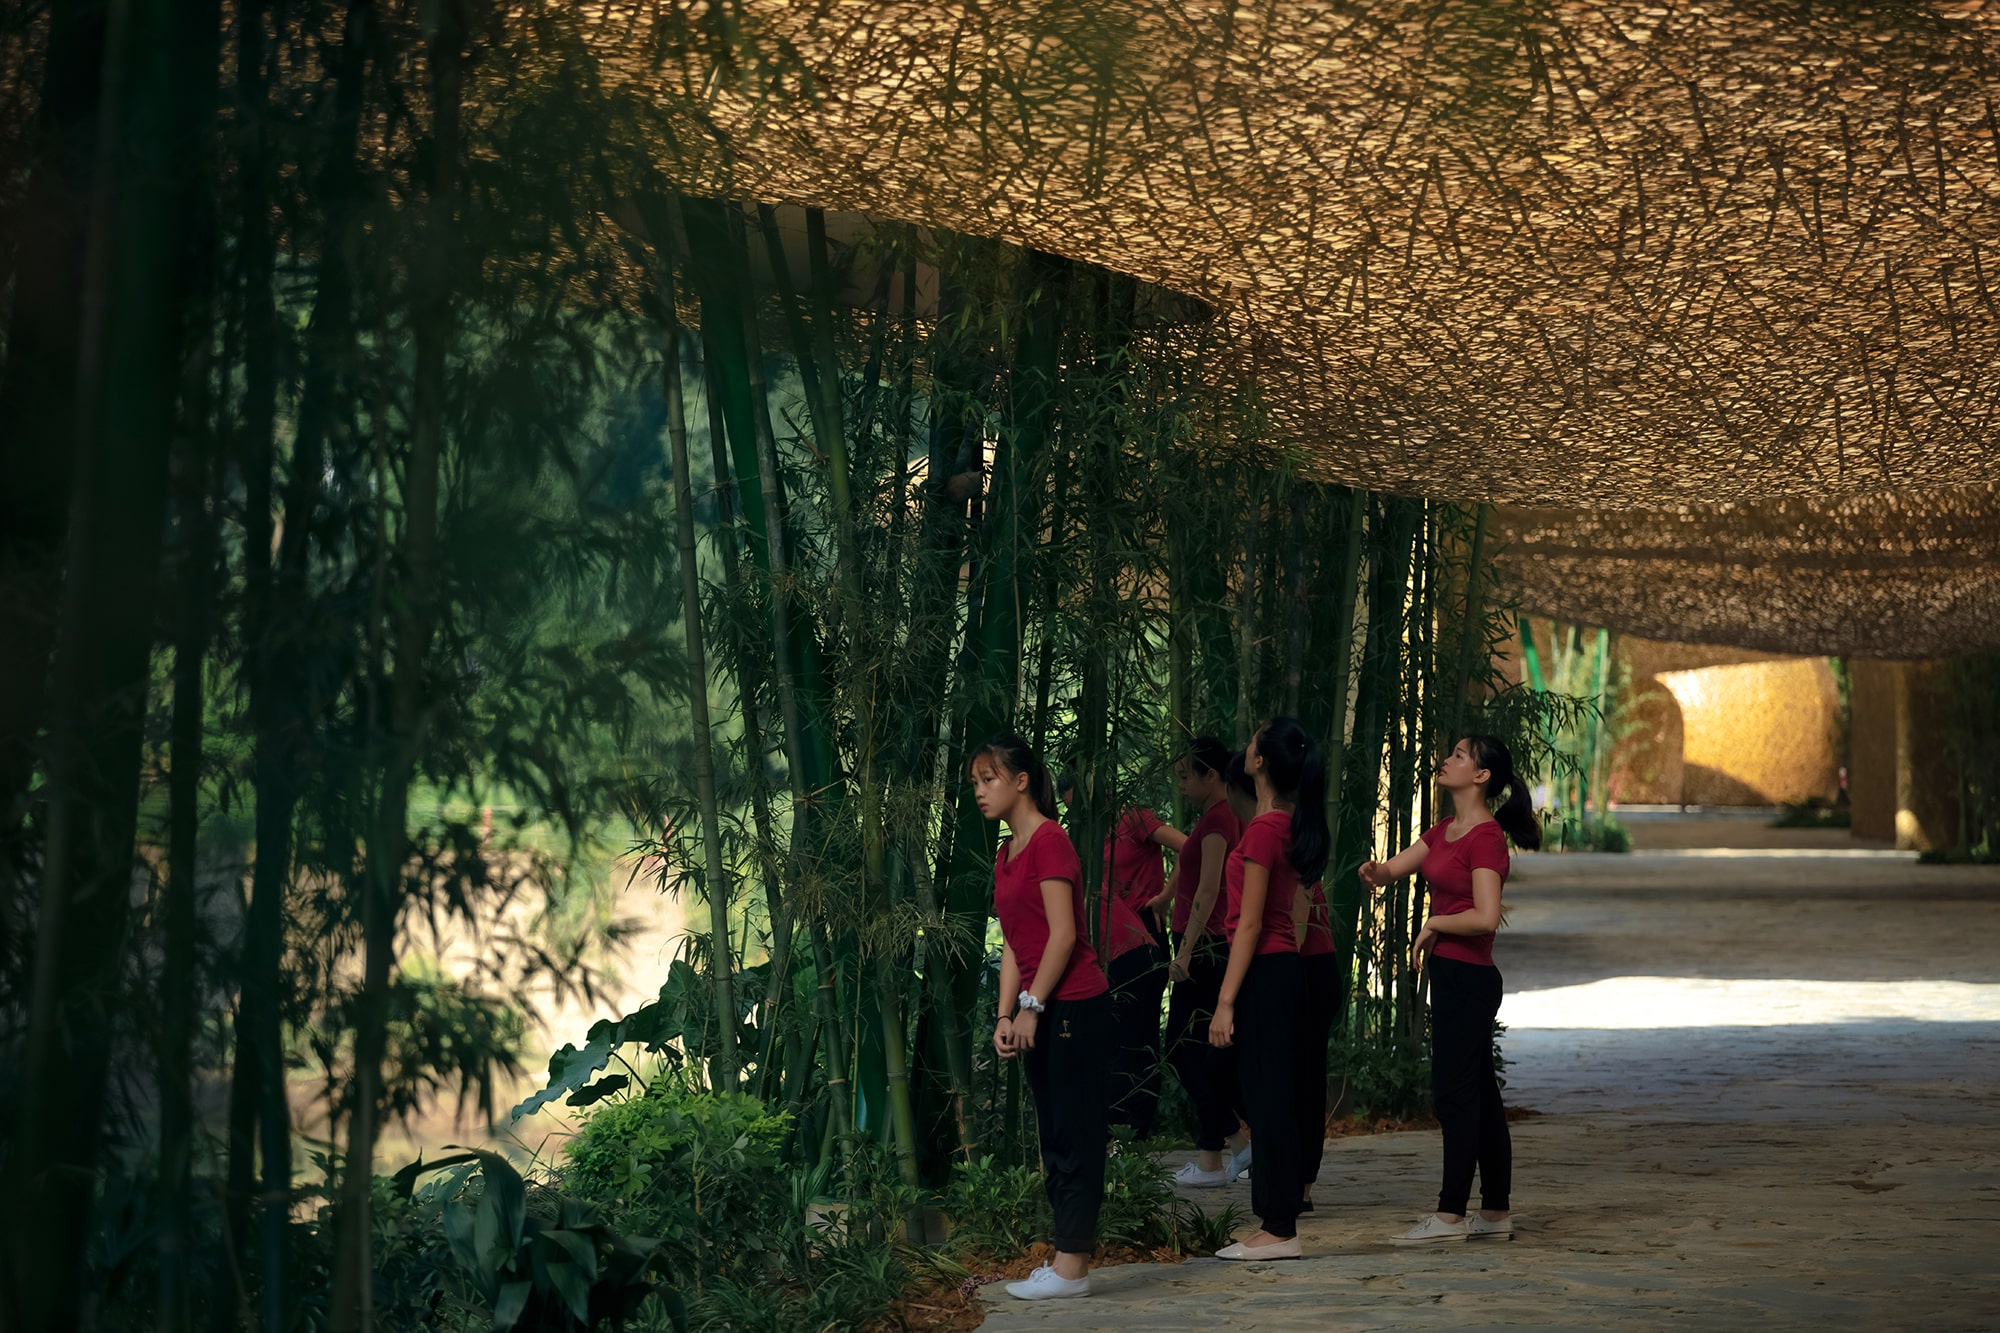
{"points": [[699, 1171], [995, 1209]]}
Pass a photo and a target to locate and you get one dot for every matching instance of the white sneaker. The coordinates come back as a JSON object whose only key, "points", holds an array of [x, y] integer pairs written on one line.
{"points": [[1277, 1249], [1045, 1284], [1431, 1228], [1477, 1227], [1193, 1177], [1239, 1164]]}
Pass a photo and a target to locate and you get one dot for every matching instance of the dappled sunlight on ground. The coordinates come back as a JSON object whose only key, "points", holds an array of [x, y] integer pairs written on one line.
{"points": [[1703, 1002]]}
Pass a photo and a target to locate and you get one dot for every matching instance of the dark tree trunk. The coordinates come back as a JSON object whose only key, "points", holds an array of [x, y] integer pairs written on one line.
{"points": [[159, 96], [38, 396]]}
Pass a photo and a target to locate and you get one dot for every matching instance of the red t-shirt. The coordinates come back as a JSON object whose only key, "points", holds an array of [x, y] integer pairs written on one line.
{"points": [[1024, 922], [1217, 819], [1134, 876], [1268, 842], [1319, 923], [1136, 867], [1449, 868]]}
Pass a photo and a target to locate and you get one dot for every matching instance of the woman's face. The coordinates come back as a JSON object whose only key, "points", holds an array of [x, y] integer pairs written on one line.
{"points": [[1460, 769], [994, 788]]}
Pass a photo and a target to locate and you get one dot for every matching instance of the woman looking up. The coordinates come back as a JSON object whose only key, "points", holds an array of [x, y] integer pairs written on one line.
{"points": [[1194, 903], [1134, 962], [1465, 861], [1054, 1012], [1260, 1009]]}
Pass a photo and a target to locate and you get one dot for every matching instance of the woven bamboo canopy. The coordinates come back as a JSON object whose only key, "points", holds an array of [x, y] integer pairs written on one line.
{"points": [[1907, 575], [1610, 255]]}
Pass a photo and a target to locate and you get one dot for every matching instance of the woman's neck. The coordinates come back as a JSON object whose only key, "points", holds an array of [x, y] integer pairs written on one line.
{"points": [[1469, 806], [1023, 820], [1210, 802], [1268, 801]]}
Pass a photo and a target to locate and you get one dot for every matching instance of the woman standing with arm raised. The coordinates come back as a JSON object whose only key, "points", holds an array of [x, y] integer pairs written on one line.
{"points": [[1261, 1007], [1465, 861], [1055, 1013], [1199, 912]]}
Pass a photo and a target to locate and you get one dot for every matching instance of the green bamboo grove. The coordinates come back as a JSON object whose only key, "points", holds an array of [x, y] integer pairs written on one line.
{"points": [[447, 459]]}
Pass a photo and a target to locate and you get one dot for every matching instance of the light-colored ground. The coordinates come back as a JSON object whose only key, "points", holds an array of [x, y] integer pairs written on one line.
{"points": [[1771, 1097]]}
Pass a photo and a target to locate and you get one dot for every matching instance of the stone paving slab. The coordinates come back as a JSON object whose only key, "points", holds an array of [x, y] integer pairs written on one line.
{"points": [[1784, 1172]]}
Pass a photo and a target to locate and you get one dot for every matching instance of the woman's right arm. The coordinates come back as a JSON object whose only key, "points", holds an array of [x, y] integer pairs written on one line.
{"points": [[1378, 874], [1010, 990], [1249, 928], [1214, 851]]}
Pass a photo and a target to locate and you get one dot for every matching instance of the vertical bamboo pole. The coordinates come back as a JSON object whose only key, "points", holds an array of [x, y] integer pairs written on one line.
{"points": [[715, 866]]}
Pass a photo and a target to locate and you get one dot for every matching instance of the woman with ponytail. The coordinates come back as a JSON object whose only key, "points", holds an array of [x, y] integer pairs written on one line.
{"points": [[1055, 1014], [1465, 862], [1260, 1008]]}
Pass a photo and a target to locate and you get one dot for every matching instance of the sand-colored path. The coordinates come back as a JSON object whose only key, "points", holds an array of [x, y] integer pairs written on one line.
{"points": [[1771, 1092]]}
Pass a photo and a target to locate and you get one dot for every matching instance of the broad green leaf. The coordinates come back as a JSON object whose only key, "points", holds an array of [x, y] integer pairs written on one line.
{"points": [[512, 1304]]}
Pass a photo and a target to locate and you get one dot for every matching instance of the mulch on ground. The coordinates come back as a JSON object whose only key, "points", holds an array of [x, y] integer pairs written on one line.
{"points": [[944, 1306]]}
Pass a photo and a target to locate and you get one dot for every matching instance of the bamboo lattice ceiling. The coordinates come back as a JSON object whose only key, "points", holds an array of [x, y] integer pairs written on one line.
{"points": [[1588, 254], [1908, 575]]}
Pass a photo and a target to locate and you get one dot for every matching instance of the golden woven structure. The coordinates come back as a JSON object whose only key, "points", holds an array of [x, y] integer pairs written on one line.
{"points": [[1907, 575], [1685, 259], [1595, 254]]}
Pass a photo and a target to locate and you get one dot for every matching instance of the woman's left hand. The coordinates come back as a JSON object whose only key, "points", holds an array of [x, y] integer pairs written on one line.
{"points": [[1222, 1027], [1422, 947], [1025, 1024]]}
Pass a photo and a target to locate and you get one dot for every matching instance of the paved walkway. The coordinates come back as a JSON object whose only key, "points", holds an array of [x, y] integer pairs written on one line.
{"points": [[1771, 1089]]}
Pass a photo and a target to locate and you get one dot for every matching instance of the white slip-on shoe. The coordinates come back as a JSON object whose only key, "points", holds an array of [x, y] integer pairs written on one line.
{"points": [[1238, 1164], [1194, 1177], [1478, 1228], [1432, 1228], [1045, 1284], [1277, 1249]]}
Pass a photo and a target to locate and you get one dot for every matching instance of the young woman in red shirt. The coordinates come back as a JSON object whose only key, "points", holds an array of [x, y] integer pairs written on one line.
{"points": [[1322, 1005], [1197, 908], [1055, 1013], [1134, 962], [1261, 1008], [1465, 862]]}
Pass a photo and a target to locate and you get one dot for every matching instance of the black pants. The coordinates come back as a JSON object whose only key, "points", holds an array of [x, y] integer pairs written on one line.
{"points": [[1465, 999], [1066, 1073], [1138, 980], [1269, 1013], [1322, 1004], [1209, 1075]]}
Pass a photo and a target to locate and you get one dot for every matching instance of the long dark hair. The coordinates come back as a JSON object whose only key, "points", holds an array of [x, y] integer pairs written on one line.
{"points": [[1297, 769], [1208, 755], [1237, 778], [1015, 755], [1517, 812]]}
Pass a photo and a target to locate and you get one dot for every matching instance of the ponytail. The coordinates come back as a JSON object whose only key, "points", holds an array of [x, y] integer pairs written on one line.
{"points": [[1516, 814], [1014, 755], [1297, 768], [1237, 778]]}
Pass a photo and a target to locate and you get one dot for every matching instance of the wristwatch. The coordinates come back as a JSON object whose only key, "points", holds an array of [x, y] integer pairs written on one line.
{"points": [[1030, 1003]]}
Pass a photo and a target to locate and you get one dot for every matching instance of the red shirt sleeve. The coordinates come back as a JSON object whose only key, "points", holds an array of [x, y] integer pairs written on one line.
{"points": [[1488, 850], [1143, 825], [1263, 844], [1055, 858]]}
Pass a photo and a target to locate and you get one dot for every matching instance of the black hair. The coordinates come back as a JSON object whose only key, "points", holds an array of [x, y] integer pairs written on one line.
{"points": [[1015, 755], [1516, 814], [1236, 777], [1208, 755], [1065, 781], [1296, 767]]}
